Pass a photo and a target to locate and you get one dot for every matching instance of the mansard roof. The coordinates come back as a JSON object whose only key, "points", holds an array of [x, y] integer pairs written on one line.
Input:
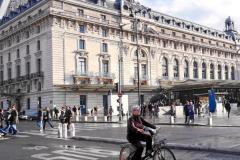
{"points": [[174, 21]]}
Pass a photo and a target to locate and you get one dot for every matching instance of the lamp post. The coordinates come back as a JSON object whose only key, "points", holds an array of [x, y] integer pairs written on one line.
{"points": [[135, 28]]}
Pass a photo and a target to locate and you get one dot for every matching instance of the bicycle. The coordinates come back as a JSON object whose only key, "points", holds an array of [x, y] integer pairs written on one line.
{"points": [[160, 152]]}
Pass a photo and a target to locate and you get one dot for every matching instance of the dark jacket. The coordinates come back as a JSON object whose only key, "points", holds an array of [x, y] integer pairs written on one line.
{"points": [[13, 117], [131, 129], [186, 110]]}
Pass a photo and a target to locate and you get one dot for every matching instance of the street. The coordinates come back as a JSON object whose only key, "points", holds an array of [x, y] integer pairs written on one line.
{"points": [[30, 144]]}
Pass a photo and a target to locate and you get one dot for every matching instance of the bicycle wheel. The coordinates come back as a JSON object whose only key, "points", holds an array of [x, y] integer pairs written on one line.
{"points": [[125, 153], [164, 153]]}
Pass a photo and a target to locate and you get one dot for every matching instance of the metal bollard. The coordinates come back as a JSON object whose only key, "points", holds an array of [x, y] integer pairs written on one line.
{"points": [[85, 118], [65, 135], [41, 126], [172, 120], [73, 130], [105, 118], [210, 122], [94, 118], [60, 130]]}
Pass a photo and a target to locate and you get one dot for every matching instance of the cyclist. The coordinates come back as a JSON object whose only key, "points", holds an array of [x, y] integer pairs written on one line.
{"points": [[136, 134]]}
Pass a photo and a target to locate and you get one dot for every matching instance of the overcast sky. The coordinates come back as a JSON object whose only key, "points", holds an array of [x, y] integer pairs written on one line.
{"points": [[211, 13]]}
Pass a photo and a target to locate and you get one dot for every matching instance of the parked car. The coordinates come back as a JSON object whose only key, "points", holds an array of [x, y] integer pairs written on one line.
{"points": [[29, 116]]}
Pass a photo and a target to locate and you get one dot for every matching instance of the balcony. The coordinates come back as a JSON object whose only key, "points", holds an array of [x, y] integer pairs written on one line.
{"points": [[83, 78], [105, 78], [143, 80]]}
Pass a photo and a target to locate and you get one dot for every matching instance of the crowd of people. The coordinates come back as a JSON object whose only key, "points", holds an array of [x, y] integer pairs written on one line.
{"points": [[8, 121], [151, 110]]}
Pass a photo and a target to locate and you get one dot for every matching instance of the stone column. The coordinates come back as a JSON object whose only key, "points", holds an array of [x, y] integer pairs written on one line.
{"points": [[181, 71], [208, 71], [170, 71], [191, 71]]}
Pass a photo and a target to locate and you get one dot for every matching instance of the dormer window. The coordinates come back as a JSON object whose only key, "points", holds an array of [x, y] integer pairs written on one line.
{"points": [[103, 3]]}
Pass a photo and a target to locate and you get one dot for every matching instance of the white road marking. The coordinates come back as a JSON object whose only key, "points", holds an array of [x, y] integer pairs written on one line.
{"points": [[45, 156], [76, 154]]}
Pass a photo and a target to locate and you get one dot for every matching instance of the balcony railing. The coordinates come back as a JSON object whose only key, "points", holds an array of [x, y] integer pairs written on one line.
{"points": [[26, 77]]}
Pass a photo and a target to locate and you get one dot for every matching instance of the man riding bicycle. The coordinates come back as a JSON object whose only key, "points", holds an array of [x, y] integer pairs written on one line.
{"points": [[135, 133]]}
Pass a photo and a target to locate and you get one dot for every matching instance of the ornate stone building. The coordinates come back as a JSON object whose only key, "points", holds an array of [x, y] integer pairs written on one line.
{"points": [[55, 52]]}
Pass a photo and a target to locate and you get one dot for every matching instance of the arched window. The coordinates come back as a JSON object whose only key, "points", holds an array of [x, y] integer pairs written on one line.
{"points": [[232, 73], [195, 69], [165, 67], [226, 72], [204, 70], [175, 68], [212, 71], [186, 69], [219, 72]]}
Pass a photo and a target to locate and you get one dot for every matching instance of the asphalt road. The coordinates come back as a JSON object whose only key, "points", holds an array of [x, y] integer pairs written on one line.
{"points": [[28, 146]]}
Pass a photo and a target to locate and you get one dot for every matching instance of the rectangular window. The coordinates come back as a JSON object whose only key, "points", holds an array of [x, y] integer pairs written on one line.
{"points": [[9, 73], [133, 38], [144, 71], [80, 12], [18, 69], [82, 29], [135, 71], [18, 53], [104, 47], [9, 56], [1, 76], [103, 17], [27, 50], [38, 45], [28, 104], [39, 65], [1, 59], [82, 66], [105, 67], [104, 32], [82, 44], [146, 40], [1, 104], [38, 29], [27, 35], [39, 102], [28, 71], [103, 3]]}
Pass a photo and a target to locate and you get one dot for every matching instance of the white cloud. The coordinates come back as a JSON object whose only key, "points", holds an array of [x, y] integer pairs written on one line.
{"points": [[211, 13]]}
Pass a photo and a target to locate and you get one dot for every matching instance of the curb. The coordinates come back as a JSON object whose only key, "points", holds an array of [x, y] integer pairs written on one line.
{"points": [[170, 145]]}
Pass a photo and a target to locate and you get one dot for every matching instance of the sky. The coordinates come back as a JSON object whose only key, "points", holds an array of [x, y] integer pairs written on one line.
{"points": [[210, 13]]}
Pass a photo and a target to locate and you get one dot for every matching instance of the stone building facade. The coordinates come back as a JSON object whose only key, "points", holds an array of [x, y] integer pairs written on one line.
{"points": [[55, 52]]}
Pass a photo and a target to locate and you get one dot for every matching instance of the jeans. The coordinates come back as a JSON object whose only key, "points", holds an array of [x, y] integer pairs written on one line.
{"points": [[11, 128], [49, 123], [40, 124]]}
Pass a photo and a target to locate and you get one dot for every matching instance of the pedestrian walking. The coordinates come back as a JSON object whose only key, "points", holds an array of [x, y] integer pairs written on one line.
{"points": [[173, 110], [12, 121], [40, 119], [228, 108], [191, 113], [74, 109], [68, 116], [46, 118], [186, 112], [1, 118], [62, 115], [110, 112], [56, 112]]}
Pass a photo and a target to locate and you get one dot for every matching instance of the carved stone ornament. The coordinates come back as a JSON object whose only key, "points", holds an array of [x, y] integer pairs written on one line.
{"points": [[153, 52], [126, 49], [82, 53]]}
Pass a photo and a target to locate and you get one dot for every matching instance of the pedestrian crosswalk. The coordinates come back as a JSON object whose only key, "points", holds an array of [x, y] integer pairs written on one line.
{"points": [[79, 128], [81, 153]]}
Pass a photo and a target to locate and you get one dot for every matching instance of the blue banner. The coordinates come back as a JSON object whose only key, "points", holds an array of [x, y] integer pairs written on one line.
{"points": [[212, 100]]}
